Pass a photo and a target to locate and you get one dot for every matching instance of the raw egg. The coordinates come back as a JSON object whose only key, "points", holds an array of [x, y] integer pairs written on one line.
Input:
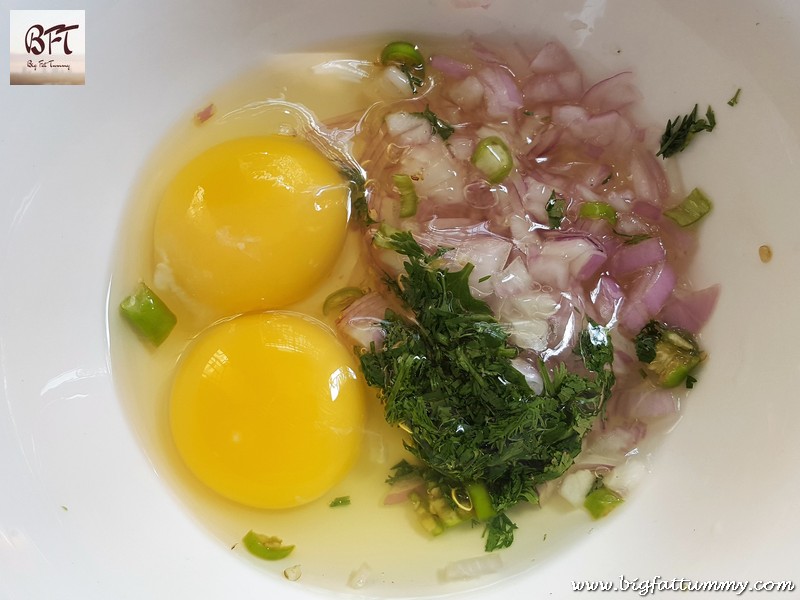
{"points": [[267, 410], [250, 224]]}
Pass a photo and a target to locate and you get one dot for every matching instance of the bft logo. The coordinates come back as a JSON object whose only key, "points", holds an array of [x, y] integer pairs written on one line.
{"points": [[57, 34], [47, 47]]}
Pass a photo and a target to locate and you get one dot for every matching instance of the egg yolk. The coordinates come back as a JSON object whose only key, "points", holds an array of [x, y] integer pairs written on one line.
{"points": [[252, 223], [267, 410]]}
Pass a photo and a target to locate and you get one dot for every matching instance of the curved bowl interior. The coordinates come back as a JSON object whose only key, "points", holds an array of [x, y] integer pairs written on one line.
{"points": [[87, 511]]}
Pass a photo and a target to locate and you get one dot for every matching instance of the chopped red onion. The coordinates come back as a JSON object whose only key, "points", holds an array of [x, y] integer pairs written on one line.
{"points": [[649, 181], [633, 257], [552, 58], [502, 96], [543, 273], [468, 93], [614, 93], [450, 66], [647, 297], [408, 129], [690, 310], [361, 321]]}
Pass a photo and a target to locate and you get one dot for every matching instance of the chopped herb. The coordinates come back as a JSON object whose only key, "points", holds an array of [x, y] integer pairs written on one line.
{"points": [[499, 532], [340, 501], [358, 194], [680, 132], [556, 209], [474, 422], [441, 128], [735, 99], [402, 470], [690, 381]]}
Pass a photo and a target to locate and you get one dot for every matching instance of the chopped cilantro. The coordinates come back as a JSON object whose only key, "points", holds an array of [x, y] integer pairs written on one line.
{"points": [[340, 501], [441, 128], [358, 194], [556, 209], [446, 376], [679, 133]]}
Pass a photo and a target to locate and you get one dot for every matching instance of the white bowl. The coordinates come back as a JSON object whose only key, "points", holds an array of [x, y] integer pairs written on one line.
{"points": [[83, 513]]}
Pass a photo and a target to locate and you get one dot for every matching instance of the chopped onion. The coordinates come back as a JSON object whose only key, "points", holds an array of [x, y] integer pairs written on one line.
{"points": [[625, 477], [646, 405], [633, 257], [574, 486], [408, 128], [450, 66], [471, 568], [531, 373], [614, 93], [690, 310], [615, 442], [512, 280], [361, 322], [552, 58], [467, 93], [392, 84], [401, 491], [502, 95], [361, 577], [293, 573], [647, 297]]}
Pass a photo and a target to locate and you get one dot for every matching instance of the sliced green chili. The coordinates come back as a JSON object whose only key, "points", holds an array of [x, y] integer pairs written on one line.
{"points": [[693, 208], [408, 59], [598, 210], [408, 195], [341, 299], [601, 501], [266, 546], [148, 314], [382, 237], [493, 158], [481, 501]]}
